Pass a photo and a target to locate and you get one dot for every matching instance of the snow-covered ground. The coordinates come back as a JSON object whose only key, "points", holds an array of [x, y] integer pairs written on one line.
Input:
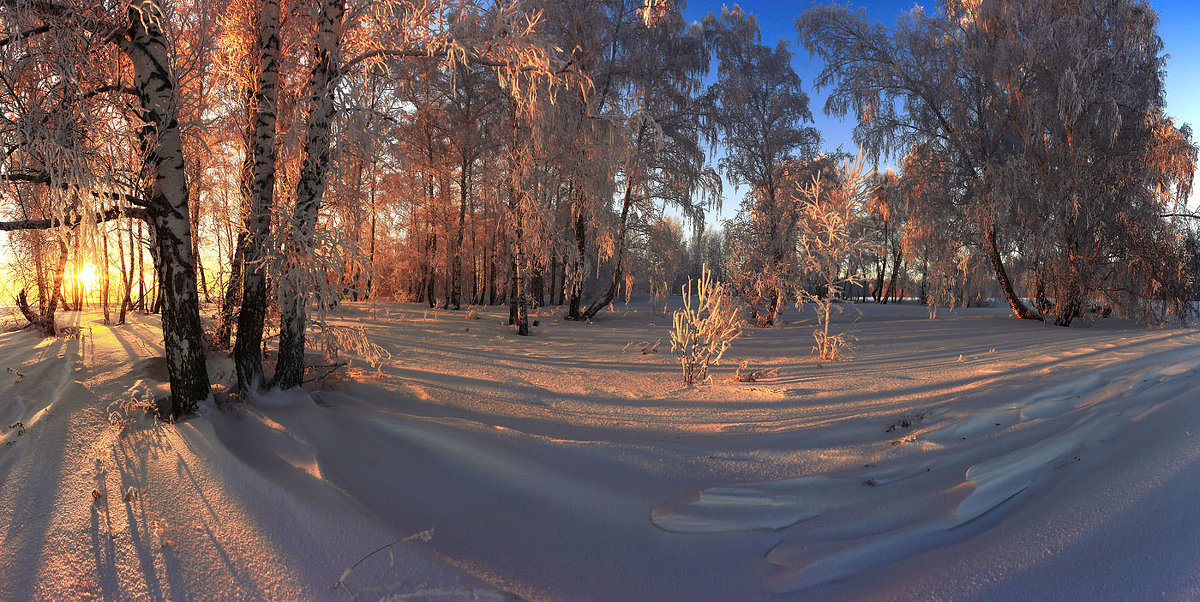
{"points": [[1037, 462]]}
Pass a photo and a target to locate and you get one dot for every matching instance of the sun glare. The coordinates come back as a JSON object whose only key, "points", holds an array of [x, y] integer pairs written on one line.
{"points": [[87, 277]]}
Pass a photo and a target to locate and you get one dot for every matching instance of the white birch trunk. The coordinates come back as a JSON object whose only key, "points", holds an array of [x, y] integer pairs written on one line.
{"points": [[259, 187], [310, 189], [167, 211]]}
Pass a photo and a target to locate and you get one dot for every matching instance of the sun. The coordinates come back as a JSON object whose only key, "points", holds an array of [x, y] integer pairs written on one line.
{"points": [[87, 276]]}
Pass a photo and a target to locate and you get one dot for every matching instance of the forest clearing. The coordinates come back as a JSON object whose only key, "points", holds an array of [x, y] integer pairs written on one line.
{"points": [[969, 456]]}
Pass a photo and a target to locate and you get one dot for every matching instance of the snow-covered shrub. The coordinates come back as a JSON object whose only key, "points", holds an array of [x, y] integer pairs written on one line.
{"points": [[338, 340], [705, 326], [128, 411], [746, 374]]}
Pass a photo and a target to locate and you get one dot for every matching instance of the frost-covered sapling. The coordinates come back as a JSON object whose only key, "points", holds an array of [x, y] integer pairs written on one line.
{"points": [[828, 240], [704, 327]]}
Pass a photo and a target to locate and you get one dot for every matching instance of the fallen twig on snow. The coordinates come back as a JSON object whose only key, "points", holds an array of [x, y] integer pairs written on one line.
{"points": [[330, 369], [425, 535]]}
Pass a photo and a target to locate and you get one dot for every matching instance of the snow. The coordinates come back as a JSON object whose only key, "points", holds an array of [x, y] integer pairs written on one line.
{"points": [[1037, 462]]}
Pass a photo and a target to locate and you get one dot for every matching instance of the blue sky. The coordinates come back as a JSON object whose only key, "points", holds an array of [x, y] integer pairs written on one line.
{"points": [[1178, 21]]}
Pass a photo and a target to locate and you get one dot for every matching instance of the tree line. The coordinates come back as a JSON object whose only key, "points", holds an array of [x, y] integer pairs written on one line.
{"points": [[274, 157]]}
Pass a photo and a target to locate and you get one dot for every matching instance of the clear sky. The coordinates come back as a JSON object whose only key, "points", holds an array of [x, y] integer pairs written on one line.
{"points": [[1179, 26]]}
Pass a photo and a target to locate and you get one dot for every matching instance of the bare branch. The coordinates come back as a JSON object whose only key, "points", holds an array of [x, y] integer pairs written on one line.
{"points": [[74, 221], [17, 37]]}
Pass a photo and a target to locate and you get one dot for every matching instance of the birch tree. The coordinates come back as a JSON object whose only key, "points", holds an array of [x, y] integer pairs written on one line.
{"points": [[758, 111], [1052, 116], [661, 157], [503, 37], [939, 80], [141, 36], [258, 190]]}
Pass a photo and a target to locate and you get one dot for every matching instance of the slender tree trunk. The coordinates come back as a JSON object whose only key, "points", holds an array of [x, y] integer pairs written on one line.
{"points": [[1068, 301], [45, 321], [104, 277], [197, 170], [553, 276], [126, 274], [258, 189], [512, 293], [618, 255], [1041, 302], [537, 286], [430, 292], [880, 274], [518, 302], [491, 277], [39, 263], [233, 293], [891, 287], [464, 179], [310, 189], [576, 286], [141, 271], [371, 272], [993, 250]]}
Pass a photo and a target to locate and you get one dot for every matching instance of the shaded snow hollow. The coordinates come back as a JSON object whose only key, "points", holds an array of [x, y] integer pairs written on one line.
{"points": [[1025, 461]]}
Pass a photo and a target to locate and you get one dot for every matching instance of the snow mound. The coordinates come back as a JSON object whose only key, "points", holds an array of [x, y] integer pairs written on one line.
{"points": [[771, 505]]}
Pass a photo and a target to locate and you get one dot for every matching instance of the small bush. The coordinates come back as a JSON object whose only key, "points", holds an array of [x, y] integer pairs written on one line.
{"points": [[906, 421], [129, 411], [705, 327], [745, 374]]}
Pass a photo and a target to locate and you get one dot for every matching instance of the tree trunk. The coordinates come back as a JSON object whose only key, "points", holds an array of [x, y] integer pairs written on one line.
{"points": [[371, 272], [39, 265], [44, 320], [537, 284], [618, 255], [880, 274], [141, 270], [518, 302], [518, 312], [577, 269], [104, 278], [289, 372], [126, 275], [1068, 301], [1040, 300], [147, 48], [258, 188], [430, 283], [993, 250], [464, 179], [554, 279], [233, 293], [891, 287]]}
